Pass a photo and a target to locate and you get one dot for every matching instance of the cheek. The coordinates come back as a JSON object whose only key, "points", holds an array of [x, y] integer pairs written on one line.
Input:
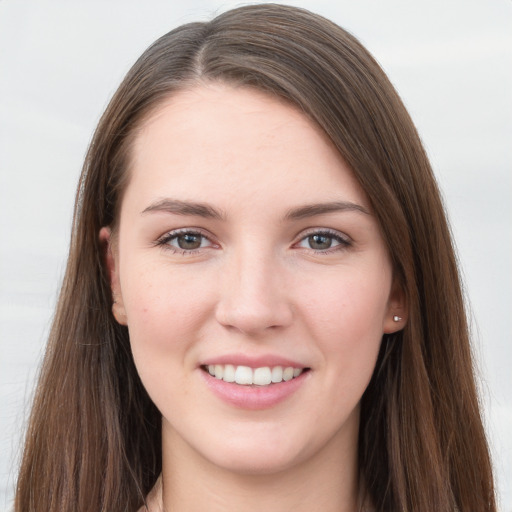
{"points": [[348, 307], [165, 315], [345, 317], [164, 308]]}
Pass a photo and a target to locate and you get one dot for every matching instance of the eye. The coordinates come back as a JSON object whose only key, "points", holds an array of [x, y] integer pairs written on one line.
{"points": [[185, 241], [323, 241]]}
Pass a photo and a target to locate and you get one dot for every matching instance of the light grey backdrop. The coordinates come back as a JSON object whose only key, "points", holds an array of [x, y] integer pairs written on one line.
{"points": [[61, 61]]}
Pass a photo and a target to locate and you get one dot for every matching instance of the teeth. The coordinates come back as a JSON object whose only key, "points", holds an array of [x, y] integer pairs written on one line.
{"points": [[277, 374], [229, 373], [243, 375], [262, 376], [288, 374], [246, 376]]}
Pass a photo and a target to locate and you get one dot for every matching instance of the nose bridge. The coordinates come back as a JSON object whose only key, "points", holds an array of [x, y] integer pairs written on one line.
{"points": [[253, 294]]}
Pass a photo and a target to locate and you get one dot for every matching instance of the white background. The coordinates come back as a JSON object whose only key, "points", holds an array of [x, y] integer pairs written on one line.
{"points": [[451, 61]]}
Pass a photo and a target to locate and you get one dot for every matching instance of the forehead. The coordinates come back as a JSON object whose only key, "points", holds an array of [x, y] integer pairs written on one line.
{"points": [[215, 142]]}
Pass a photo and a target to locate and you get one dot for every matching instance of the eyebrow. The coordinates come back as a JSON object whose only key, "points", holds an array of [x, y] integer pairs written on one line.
{"points": [[184, 208], [311, 210], [178, 207]]}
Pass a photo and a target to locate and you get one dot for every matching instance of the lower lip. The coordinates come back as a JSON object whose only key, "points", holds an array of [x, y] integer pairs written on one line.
{"points": [[254, 397]]}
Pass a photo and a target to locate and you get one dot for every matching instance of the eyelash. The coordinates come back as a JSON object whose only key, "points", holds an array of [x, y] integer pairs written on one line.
{"points": [[344, 242], [165, 241]]}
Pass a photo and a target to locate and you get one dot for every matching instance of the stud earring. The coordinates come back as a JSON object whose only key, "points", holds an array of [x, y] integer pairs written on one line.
{"points": [[397, 318]]}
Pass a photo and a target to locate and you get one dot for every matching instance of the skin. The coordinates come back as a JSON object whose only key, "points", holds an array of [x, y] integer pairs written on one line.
{"points": [[256, 285]]}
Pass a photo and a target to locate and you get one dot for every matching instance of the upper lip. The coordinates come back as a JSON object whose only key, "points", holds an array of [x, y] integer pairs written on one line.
{"points": [[270, 360]]}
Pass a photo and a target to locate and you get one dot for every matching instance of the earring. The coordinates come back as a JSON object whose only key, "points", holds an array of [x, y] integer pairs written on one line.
{"points": [[397, 318]]}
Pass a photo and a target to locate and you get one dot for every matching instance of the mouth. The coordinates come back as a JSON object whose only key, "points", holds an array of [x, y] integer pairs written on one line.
{"points": [[247, 376]]}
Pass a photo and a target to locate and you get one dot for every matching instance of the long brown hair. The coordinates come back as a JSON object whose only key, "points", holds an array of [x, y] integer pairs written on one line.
{"points": [[93, 442]]}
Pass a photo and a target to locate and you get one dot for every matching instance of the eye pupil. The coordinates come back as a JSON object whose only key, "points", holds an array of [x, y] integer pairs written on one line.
{"points": [[189, 241], [319, 242]]}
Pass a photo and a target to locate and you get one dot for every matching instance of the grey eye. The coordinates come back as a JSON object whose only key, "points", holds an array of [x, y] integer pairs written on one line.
{"points": [[320, 242], [323, 241], [186, 241], [189, 241]]}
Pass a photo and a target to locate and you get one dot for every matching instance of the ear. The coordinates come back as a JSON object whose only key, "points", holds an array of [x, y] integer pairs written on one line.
{"points": [[110, 258], [397, 313]]}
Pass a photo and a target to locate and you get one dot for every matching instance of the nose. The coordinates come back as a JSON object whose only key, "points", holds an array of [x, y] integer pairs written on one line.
{"points": [[254, 296]]}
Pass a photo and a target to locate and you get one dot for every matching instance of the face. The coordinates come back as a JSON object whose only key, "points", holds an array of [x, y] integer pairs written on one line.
{"points": [[253, 279]]}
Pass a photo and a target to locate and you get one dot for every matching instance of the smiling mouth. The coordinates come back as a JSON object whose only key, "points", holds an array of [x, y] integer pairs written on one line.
{"points": [[247, 376]]}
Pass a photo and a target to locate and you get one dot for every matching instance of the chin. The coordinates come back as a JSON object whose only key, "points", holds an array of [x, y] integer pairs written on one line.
{"points": [[254, 464], [258, 455]]}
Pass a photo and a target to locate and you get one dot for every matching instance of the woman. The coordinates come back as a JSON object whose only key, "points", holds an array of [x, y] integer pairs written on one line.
{"points": [[262, 306]]}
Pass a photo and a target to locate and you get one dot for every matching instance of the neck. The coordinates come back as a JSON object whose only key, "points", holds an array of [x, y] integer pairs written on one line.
{"points": [[328, 481]]}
